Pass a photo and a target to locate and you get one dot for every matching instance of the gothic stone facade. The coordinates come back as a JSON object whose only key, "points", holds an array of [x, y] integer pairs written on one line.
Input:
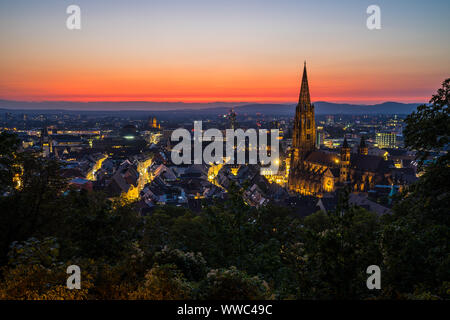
{"points": [[315, 172]]}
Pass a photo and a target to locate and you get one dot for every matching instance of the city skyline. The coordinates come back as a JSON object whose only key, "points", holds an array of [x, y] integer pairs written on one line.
{"points": [[225, 156], [211, 51]]}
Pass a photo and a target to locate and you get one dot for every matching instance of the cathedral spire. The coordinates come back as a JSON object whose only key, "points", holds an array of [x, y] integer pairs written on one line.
{"points": [[304, 135], [345, 144], [304, 99], [362, 143], [363, 150]]}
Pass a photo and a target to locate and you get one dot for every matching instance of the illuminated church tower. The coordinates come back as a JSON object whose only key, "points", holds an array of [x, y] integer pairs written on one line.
{"points": [[315, 172], [304, 135], [345, 162], [362, 149]]}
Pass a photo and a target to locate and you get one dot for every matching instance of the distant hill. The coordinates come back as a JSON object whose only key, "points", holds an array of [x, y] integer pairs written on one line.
{"points": [[321, 107], [382, 108], [112, 105]]}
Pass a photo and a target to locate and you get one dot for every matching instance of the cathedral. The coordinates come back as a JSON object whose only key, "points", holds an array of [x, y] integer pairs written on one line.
{"points": [[316, 172]]}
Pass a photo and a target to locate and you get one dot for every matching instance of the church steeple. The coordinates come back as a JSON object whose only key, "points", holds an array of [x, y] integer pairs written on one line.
{"points": [[304, 99], [345, 161], [345, 144], [304, 135], [362, 149]]}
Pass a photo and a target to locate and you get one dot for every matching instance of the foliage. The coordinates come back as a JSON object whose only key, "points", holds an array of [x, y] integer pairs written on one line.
{"points": [[192, 265], [415, 238], [164, 282], [36, 282], [334, 252], [429, 127], [232, 284], [34, 251]]}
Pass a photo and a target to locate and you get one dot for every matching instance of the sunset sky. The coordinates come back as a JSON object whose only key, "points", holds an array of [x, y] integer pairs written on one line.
{"points": [[233, 50]]}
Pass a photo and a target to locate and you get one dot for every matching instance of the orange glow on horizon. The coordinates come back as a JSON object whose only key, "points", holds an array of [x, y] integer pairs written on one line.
{"points": [[203, 92], [248, 99], [214, 51], [197, 84]]}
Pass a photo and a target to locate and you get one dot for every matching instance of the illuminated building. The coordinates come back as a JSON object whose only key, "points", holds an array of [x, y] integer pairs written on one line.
{"points": [[280, 176], [362, 149], [386, 140], [315, 172], [46, 143], [153, 123], [319, 138], [129, 132]]}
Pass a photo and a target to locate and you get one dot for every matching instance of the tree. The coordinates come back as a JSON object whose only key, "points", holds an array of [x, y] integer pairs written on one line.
{"points": [[332, 261], [415, 238], [30, 208], [35, 272], [92, 226], [164, 282], [9, 164], [428, 128], [192, 265], [232, 284]]}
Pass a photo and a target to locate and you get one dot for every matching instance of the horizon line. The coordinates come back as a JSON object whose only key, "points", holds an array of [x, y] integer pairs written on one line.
{"points": [[350, 102]]}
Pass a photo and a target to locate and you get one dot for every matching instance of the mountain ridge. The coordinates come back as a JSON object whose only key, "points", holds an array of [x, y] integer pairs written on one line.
{"points": [[321, 107]]}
